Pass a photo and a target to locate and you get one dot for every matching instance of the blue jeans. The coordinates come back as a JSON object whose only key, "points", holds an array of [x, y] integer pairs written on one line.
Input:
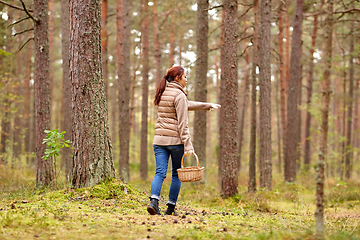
{"points": [[162, 154]]}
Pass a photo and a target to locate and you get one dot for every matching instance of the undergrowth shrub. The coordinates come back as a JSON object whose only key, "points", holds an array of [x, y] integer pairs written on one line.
{"points": [[258, 201], [343, 195]]}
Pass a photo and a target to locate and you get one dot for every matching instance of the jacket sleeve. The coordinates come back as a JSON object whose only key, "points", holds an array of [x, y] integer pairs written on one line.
{"points": [[196, 106], [181, 106]]}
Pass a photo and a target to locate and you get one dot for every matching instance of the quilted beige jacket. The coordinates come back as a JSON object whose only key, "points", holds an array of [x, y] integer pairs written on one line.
{"points": [[172, 118]]}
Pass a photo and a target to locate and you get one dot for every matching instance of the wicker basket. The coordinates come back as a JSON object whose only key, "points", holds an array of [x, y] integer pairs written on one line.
{"points": [[190, 174]]}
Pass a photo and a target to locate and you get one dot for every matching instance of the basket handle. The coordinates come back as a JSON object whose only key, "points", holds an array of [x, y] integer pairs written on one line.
{"points": [[197, 159]]}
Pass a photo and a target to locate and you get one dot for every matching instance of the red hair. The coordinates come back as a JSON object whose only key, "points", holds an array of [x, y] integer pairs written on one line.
{"points": [[170, 76]]}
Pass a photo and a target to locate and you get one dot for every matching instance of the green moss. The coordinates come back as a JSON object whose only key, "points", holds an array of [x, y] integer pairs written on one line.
{"points": [[112, 210]]}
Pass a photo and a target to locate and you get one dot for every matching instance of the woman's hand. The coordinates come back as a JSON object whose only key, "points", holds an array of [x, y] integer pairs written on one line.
{"points": [[214, 106], [189, 152]]}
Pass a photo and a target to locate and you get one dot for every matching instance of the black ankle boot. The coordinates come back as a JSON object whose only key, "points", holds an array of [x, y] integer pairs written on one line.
{"points": [[170, 209], [153, 207]]}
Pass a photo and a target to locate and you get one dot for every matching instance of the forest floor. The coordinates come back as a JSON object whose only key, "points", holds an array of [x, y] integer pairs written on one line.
{"points": [[113, 210]]}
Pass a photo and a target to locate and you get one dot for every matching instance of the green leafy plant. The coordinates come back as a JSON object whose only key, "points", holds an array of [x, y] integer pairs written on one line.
{"points": [[55, 141]]}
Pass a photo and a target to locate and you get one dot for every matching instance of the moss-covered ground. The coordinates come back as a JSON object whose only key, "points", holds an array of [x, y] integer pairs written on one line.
{"points": [[114, 210]]}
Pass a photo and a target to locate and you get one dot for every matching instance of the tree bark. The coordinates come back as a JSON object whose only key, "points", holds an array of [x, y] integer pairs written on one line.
{"points": [[293, 112], [356, 129], [356, 121], [18, 92], [5, 123], [6, 120], [172, 41], [90, 116], [104, 45], [123, 51], [221, 96], [200, 123], [349, 140], [342, 160], [145, 90], [44, 169], [242, 110], [66, 106], [51, 61], [132, 119], [287, 55], [309, 95], [252, 148], [326, 92], [157, 49], [27, 102], [282, 82], [229, 109], [265, 95]]}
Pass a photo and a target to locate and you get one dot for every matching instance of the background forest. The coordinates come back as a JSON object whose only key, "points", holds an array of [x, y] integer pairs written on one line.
{"points": [[285, 73]]}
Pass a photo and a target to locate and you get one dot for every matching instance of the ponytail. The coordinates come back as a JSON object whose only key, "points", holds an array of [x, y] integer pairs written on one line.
{"points": [[159, 91], [170, 76]]}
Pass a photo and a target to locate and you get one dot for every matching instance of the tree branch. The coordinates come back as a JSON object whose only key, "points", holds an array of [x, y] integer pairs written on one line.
{"points": [[217, 48], [111, 15], [18, 21], [218, 6], [244, 38], [24, 31], [348, 10], [242, 54], [27, 12], [247, 10], [14, 6], [313, 14], [247, 5], [22, 46]]}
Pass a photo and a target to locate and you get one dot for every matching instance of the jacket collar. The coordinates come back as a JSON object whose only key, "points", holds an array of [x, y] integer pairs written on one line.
{"points": [[177, 85]]}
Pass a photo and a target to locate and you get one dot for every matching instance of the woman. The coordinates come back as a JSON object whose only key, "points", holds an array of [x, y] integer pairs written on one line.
{"points": [[172, 136]]}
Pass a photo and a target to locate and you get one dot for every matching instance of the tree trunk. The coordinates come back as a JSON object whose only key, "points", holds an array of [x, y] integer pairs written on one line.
{"points": [[282, 83], [51, 4], [342, 160], [265, 95], [349, 140], [356, 121], [319, 213], [53, 106], [242, 111], [6, 119], [172, 41], [104, 45], [44, 170], [66, 106], [123, 51], [309, 94], [221, 96], [18, 92], [202, 32], [229, 110], [90, 116], [132, 94], [33, 124], [293, 113], [287, 57], [145, 90], [27, 96], [157, 50], [278, 120], [5, 124], [356, 129], [252, 148]]}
